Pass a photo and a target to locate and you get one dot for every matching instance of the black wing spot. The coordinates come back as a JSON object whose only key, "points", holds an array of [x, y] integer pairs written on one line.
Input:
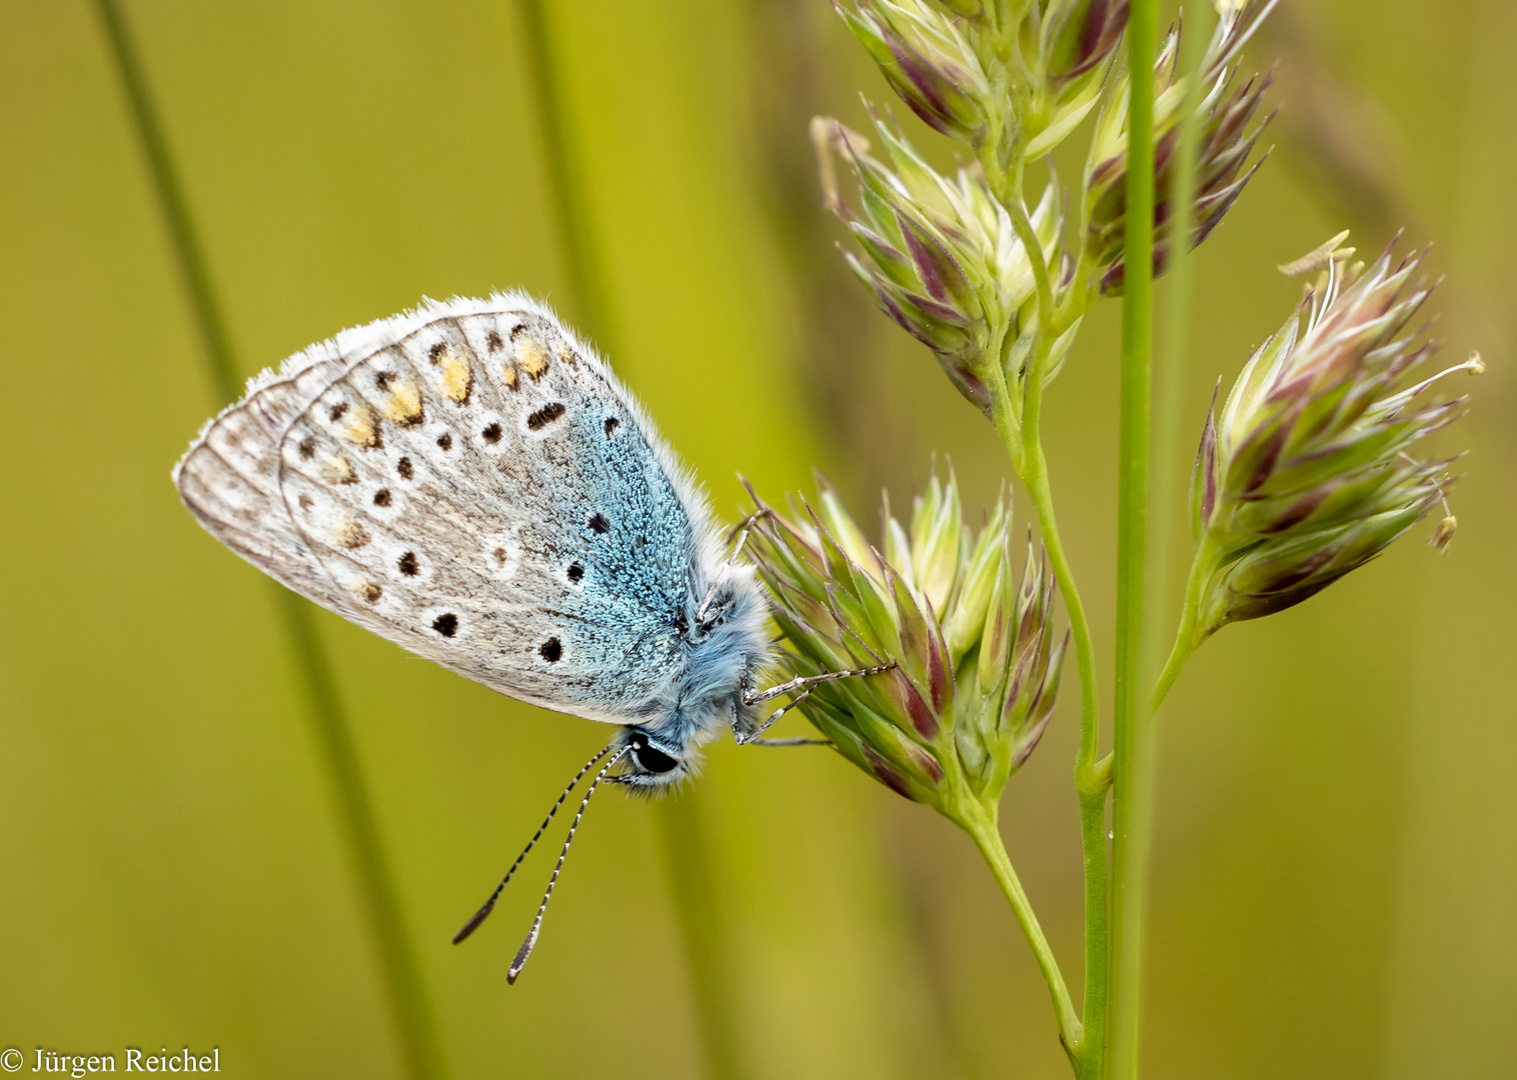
{"points": [[446, 625], [598, 523], [308, 448], [494, 342], [445, 441], [491, 434], [338, 410], [306, 502], [409, 566], [371, 592], [382, 497], [383, 379], [552, 650], [612, 423], [576, 572], [405, 468], [435, 353], [519, 328], [546, 415]]}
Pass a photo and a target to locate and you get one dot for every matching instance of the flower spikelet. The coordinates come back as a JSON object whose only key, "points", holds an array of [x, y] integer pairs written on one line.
{"points": [[1076, 39], [1225, 140], [925, 57], [938, 253], [1308, 471], [976, 668]]}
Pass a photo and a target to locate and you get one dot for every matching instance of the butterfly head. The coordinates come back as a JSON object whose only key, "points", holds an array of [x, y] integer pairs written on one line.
{"points": [[654, 761]]}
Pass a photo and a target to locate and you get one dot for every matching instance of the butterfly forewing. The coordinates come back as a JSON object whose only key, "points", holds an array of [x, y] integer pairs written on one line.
{"points": [[474, 486]]}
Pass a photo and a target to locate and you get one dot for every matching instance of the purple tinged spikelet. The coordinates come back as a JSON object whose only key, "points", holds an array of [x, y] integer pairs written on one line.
{"points": [[926, 58], [939, 255], [1090, 31], [1307, 472], [975, 671], [1225, 142]]}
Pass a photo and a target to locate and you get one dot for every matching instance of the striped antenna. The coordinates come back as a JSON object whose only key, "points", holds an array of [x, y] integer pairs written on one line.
{"points": [[526, 946], [489, 905]]}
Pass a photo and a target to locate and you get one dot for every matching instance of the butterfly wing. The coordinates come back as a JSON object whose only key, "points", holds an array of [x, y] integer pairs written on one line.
{"points": [[473, 484]]}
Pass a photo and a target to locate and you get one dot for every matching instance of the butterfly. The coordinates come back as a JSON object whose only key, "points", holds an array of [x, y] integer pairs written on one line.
{"points": [[471, 482]]}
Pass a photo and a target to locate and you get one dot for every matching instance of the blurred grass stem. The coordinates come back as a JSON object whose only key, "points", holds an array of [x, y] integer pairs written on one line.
{"points": [[1131, 764], [565, 173], [408, 995], [1168, 452], [1175, 342], [687, 853]]}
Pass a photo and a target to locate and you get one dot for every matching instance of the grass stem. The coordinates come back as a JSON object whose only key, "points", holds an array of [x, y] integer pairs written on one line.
{"points": [[1090, 787], [1025, 445], [408, 997], [1174, 342], [1131, 796], [692, 886], [987, 837], [686, 849]]}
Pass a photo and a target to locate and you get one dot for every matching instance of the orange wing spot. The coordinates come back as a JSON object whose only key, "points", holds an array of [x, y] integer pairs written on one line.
{"points": [[508, 375], [534, 357], [351, 535], [338, 470], [364, 430], [404, 404], [457, 378]]}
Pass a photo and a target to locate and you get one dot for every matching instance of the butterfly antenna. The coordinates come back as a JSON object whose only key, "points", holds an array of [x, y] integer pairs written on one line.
{"points": [[489, 905], [740, 534], [526, 946]]}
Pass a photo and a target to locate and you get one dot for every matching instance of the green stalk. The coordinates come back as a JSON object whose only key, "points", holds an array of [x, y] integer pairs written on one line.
{"points": [[408, 996], [981, 828], [1187, 640], [1168, 454], [686, 851], [1090, 783], [571, 205], [1131, 797]]}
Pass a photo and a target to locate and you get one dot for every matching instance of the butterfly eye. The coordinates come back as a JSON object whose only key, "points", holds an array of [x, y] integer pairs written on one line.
{"points": [[649, 758]]}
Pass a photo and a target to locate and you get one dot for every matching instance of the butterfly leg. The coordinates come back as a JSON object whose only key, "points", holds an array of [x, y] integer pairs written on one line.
{"points": [[741, 533], [751, 738], [805, 682]]}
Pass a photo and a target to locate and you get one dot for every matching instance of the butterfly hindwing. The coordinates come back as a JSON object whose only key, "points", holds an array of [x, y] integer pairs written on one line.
{"points": [[476, 487], [229, 477]]}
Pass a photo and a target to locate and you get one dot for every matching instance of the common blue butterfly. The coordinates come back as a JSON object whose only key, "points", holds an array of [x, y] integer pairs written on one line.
{"points": [[470, 481]]}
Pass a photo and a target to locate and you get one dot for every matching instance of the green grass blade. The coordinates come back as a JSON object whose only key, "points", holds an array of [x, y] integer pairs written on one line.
{"points": [[1130, 795], [408, 996], [687, 852]]}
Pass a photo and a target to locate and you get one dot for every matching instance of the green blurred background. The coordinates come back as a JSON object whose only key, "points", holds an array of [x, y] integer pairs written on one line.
{"points": [[1336, 864]]}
